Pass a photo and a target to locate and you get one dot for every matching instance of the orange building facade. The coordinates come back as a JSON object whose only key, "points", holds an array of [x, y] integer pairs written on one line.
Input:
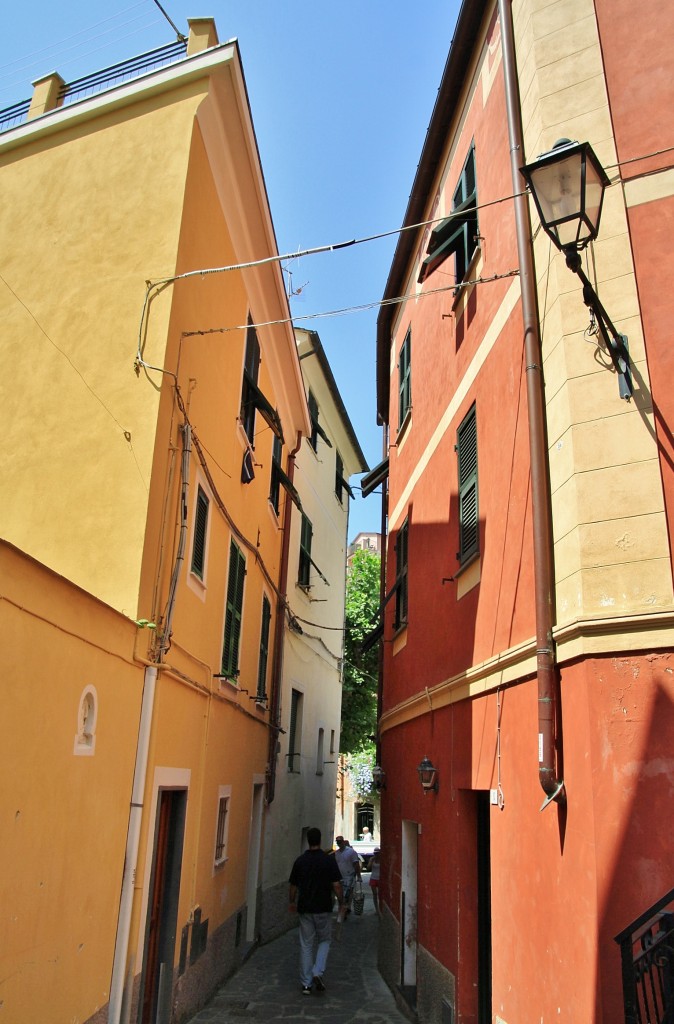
{"points": [[502, 899]]}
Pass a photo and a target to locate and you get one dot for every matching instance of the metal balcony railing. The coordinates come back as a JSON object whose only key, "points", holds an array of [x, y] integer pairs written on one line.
{"points": [[100, 81], [647, 953]]}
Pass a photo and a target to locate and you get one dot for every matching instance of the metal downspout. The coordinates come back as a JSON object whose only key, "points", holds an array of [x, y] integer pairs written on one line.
{"points": [[382, 589], [279, 631], [549, 741]]}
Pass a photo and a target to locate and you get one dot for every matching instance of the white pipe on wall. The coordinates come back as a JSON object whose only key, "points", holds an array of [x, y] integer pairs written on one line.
{"points": [[132, 842]]}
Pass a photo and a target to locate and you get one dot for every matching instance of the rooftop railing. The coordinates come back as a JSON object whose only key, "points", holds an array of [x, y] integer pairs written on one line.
{"points": [[100, 81]]}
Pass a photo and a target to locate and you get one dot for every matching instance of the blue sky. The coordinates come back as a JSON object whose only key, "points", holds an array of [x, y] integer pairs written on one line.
{"points": [[341, 96]]}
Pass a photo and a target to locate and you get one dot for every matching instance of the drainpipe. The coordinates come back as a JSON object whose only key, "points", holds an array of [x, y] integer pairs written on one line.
{"points": [[279, 633], [549, 743], [119, 1002], [382, 588], [132, 841]]}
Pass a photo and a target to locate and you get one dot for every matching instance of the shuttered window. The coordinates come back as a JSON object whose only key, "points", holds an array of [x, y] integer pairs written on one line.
{"points": [[199, 540], [466, 447], [234, 607], [295, 731], [313, 413], [404, 379], [457, 235], [401, 575], [251, 368], [264, 650], [304, 573]]}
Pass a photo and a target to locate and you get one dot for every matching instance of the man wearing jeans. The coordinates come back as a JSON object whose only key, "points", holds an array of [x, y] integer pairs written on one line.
{"points": [[315, 876]]}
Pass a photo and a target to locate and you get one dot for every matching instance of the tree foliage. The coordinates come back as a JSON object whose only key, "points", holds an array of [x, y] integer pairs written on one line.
{"points": [[359, 694]]}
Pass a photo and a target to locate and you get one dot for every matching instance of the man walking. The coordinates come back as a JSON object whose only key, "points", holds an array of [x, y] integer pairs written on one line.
{"points": [[348, 863], [315, 876]]}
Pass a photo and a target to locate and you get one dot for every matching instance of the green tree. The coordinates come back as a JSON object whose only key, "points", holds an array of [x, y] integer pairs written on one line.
{"points": [[359, 694]]}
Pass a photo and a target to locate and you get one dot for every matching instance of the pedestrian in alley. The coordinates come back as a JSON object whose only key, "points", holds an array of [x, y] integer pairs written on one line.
{"points": [[375, 876], [348, 863], [313, 880]]}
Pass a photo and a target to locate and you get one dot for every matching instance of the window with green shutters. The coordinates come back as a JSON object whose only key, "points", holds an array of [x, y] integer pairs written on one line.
{"points": [[304, 573], [401, 576], [264, 650], [251, 369], [466, 449], [313, 413], [233, 610], [404, 379], [457, 234], [295, 732], [199, 540]]}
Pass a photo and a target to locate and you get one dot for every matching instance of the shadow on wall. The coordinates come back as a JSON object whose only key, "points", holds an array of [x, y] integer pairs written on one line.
{"points": [[642, 870]]}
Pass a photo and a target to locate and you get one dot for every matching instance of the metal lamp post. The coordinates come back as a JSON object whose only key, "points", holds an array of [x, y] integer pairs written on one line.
{"points": [[567, 185]]}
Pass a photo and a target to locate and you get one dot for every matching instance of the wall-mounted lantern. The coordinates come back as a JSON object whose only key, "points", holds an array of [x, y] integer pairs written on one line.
{"points": [[428, 775], [378, 778], [567, 185]]}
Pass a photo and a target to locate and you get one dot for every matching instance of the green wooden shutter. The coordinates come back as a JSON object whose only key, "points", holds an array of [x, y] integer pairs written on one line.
{"points": [[304, 575], [313, 413], [401, 575], [264, 649], [404, 379], [466, 446], [199, 542], [234, 607]]}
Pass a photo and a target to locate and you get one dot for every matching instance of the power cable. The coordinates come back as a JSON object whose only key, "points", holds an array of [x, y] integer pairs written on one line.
{"points": [[180, 37]]}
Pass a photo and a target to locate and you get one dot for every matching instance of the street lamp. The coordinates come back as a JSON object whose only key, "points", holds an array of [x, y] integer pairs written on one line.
{"points": [[428, 775], [567, 185]]}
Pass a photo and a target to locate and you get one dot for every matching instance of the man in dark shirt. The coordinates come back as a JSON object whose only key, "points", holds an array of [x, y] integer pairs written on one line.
{"points": [[315, 876]]}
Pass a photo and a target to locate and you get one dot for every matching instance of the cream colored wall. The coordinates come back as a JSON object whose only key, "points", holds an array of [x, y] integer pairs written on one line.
{"points": [[90, 213], [611, 548], [312, 661], [64, 809]]}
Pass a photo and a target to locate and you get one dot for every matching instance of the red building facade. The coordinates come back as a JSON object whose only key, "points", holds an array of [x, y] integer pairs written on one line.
{"points": [[496, 908]]}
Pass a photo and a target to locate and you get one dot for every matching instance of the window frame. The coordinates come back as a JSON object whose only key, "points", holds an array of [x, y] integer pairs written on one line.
{"points": [[263, 657], [249, 383], [200, 533], [405, 380], [236, 578], [222, 826], [401, 584], [458, 234], [295, 731], [305, 562], [468, 488]]}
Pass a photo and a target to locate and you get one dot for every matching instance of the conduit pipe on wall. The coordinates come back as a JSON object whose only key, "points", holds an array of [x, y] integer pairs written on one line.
{"points": [[549, 742], [279, 633], [132, 842], [119, 1002]]}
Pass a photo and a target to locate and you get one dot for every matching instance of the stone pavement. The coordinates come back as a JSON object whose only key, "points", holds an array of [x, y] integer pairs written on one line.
{"points": [[267, 987]]}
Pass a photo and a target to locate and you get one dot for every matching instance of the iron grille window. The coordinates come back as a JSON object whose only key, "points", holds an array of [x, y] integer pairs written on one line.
{"points": [[221, 830], [249, 389], [401, 576], [199, 541], [295, 731], [304, 575], [458, 234], [404, 379], [264, 650], [233, 610], [466, 449]]}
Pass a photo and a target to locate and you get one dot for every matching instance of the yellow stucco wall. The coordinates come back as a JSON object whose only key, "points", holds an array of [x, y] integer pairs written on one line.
{"points": [[90, 213], [64, 812]]}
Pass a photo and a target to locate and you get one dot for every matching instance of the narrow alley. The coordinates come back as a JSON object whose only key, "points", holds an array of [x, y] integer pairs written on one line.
{"points": [[267, 987]]}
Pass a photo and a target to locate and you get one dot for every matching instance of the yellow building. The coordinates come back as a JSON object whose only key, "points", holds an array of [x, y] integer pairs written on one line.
{"points": [[139, 422]]}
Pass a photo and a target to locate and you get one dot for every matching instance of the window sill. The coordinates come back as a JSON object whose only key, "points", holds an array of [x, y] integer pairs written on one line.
{"points": [[399, 639], [232, 683], [220, 863]]}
